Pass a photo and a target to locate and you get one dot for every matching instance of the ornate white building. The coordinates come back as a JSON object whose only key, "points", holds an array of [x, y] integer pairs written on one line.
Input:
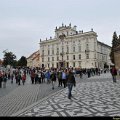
{"points": [[70, 48]]}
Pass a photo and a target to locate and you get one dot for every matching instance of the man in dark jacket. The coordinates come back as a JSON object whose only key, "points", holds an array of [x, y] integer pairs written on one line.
{"points": [[114, 73], [53, 78], [70, 83]]}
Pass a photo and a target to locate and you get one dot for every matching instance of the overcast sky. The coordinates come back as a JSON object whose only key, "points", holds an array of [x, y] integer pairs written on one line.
{"points": [[24, 22]]}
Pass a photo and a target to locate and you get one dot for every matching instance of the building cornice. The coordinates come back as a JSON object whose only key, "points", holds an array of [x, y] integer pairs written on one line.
{"points": [[104, 44], [90, 33]]}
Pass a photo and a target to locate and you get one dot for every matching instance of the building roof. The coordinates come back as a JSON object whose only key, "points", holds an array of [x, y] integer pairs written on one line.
{"points": [[33, 54], [104, 44]]}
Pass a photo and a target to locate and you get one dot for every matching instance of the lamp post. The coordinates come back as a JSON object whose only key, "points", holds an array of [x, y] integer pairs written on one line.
{"points": [[62, 37]]}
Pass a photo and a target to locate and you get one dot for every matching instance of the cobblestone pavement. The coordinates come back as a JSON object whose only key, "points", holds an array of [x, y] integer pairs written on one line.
{"points": [[14, 98], [10, 87], [93, 97]]}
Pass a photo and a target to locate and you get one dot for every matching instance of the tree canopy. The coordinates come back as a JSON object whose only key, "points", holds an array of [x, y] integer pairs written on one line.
{"points": [[115, 40], [9, 58], [22, 61]]}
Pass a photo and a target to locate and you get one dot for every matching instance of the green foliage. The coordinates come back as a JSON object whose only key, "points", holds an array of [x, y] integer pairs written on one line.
{"points": [[9, 58], [22, 61], [114, 42]]}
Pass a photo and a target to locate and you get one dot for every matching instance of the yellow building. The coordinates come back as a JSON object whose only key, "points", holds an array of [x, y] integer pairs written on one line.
{"points": [[34, 59], [117, 56]]}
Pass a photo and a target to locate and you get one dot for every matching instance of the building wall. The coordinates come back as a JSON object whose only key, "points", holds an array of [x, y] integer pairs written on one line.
{"points": [[90, 47], [103, 54], [117, 57], [34, 60]]}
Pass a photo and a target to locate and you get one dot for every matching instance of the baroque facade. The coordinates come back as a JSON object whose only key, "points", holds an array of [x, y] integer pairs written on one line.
{"points": [[72, 48], [34, 59]]}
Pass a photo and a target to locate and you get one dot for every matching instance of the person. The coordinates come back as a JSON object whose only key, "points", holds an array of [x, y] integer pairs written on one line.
{"points": [[48, 76], [23, 78], [42, 77], [1, 79], [59, 78], [19, 78], [70, 83], [53, 79], [81, 74], [4, 80], [119, 71], [64, 75], [32, 76], [114, 73], [11, 77], [36, 77], [39, 77]]}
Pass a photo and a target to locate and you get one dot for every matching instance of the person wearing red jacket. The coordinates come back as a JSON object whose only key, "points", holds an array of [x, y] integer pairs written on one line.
{"points": [[23, 78]]}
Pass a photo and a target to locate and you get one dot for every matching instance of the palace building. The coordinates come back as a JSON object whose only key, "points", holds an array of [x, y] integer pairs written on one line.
{"points": [[72, 48]]}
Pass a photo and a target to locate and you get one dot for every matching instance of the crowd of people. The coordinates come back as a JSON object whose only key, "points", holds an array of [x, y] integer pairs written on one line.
{"points": [[65, 77]]}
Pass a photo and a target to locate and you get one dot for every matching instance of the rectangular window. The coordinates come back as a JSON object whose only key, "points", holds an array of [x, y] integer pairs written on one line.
{"points": [[79, 48], [48, 59], [62, 49], [48, 52], [52, 58], [73, 57], [67, 49], [57, 58], [87, 47], [42, 52], [87, 56], [73, 49], [79, 56], [79, 64], [67, 57], [52, 52], [42, 59], [48, 65], [73, 64], [57, 50], [95, 55], [53, 65]]}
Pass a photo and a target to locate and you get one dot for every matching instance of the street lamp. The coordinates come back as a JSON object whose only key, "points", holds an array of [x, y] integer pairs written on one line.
{"points": [[62, 37]]}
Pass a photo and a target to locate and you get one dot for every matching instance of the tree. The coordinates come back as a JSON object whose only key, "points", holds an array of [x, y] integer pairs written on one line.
{"points": [[22, 61], [114, 42], [9, 58]]}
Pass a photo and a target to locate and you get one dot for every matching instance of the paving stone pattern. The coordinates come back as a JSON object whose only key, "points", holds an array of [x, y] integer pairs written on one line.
{"points": [[20, 97], [93, 98]]}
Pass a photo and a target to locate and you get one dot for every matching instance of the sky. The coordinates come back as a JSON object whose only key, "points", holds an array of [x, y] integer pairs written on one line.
{"points": [[24, 22]]}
